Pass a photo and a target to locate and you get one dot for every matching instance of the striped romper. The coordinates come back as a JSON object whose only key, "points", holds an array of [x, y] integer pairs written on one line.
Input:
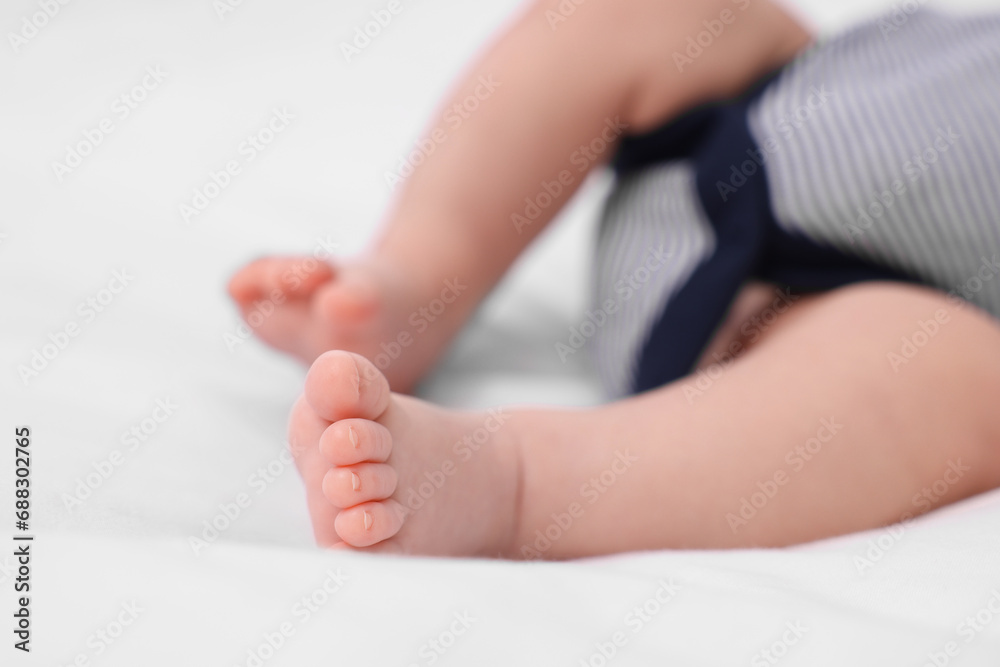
{"points": [[874, 156]]}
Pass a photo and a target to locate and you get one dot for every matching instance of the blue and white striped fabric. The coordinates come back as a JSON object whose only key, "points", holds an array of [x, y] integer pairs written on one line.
{"points": [[877, 152], [640, 206]]}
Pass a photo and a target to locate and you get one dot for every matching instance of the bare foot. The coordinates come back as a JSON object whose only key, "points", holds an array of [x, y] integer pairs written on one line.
{"points": [[392, 473], [306, 307]]}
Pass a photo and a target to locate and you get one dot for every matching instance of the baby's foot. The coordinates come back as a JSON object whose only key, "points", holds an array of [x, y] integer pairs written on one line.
{"points": [[393, 473], [306, 307]]}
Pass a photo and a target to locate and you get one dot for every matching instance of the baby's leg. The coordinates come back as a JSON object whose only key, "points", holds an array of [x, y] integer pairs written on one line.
{"points": [[827, 425], [815, 431], [556, 90]]}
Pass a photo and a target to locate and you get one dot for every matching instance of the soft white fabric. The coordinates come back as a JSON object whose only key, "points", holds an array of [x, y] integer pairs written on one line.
{"points": [[162, 338]]}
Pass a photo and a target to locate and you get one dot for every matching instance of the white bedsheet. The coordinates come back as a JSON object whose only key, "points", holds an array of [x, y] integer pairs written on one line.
{"points": [[114, 530]]}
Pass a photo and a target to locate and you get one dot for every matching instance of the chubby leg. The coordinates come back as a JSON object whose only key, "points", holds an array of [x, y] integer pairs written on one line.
{"points": [[826, 424], [556, 91]]}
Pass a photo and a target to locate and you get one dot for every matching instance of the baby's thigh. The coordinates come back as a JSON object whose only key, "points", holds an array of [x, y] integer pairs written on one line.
{"points": [[911, 361]]}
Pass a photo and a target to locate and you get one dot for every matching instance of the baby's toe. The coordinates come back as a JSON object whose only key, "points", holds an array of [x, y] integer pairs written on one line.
{"points": [[344, 385], [247, 284], [351, 441], [352, 485], [279, 276], [369, 523], [352, 299]]}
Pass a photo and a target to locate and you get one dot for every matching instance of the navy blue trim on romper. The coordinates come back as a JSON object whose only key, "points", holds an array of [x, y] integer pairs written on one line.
{"points": [[749, 241]]}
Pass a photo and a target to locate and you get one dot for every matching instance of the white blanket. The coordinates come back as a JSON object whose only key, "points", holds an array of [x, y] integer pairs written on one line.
{"points": [[152, 417]]}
